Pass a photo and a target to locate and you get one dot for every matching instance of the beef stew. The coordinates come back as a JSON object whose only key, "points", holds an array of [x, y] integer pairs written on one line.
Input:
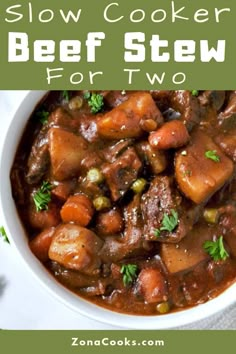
{"points": [[129, 198]]}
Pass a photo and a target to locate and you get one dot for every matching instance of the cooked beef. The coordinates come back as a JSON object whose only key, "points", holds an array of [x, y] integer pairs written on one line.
{"points": [[39, 160], [122, 173], [162, 199]]}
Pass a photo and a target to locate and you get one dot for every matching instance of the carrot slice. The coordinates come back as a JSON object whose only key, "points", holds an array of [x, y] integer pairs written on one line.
{"points": [[78, 209], [41, 243]]}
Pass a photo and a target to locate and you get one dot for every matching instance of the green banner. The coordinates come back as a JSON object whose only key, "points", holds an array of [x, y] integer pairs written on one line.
{"points": [[117, 44], [89, 342]]}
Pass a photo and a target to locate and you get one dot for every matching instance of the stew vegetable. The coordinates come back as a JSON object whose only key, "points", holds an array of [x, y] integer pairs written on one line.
{"points": [[129, 198]]}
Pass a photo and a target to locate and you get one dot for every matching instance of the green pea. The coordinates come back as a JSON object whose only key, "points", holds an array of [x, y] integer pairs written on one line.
{"points": [[101, 203], [139, 185], [95, 176], [211, 215], [163, 307], [76, 103]]}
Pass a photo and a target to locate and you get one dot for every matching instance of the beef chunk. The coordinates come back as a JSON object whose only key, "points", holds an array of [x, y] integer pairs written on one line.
{"points": [[88, 128], [132, 242], [112, 152], [155, 160], [115, 98], [227, 118], [227, 143], [160, 200], [214, 99], [188, 105], [122, 173], [63, 119], [38, 160], [228, 227]]}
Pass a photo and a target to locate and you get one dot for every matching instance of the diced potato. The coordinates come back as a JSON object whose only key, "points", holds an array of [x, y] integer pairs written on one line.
{"points": [[188, 252], [76, 247], [198, 176], [41, 243], [66, 152], [124, 121]]}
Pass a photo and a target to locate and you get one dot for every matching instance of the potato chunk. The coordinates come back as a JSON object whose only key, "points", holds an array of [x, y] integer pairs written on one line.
{"points": [[76, 247], [189, 251], [198, 176], [66, 152], [124, 121]]}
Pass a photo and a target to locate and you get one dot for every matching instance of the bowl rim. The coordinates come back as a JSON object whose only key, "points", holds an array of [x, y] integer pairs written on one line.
{"points": [[48, 282]]}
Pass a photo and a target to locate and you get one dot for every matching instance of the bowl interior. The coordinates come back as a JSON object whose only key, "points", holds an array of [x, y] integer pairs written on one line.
{"points": [[19, 241]]}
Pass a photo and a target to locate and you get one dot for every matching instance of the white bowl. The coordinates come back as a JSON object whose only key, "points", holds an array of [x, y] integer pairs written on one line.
{"points": [[18, 239]]}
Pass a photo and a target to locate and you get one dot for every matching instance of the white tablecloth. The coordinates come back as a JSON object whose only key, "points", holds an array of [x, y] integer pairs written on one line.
{"points": [[25, 305]]}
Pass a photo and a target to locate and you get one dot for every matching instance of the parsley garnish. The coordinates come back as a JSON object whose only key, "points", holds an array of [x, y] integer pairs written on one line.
{"points": [[4, 234], [129, 272], [212, 155], [43, 196], [195, 93], [157, 232], [95, 101], [169, 223], [66, 96], [42, 116], [216, 249]]}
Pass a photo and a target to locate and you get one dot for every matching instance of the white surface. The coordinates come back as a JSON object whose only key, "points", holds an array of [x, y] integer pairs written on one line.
{"points": [[25, 305]]}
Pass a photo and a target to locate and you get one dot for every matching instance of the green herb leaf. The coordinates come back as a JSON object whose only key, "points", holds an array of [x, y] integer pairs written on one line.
{"points": [[95, 101], [212, 155], [195, 93], [4, 234], [169, 223], [42, 116], [157, 233], [87, 95], [66, 96], [129, 272], [43, 196], [216, 249]]}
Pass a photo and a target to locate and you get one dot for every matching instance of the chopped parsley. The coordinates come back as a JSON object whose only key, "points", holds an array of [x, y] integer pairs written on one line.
{"points": [[3, 234], [43, 196], [195, 93], [157, 232], [216, 249], [42, 116], [212, 155], [129, 272], [95, 101], [65, 95], [169, 223]]}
